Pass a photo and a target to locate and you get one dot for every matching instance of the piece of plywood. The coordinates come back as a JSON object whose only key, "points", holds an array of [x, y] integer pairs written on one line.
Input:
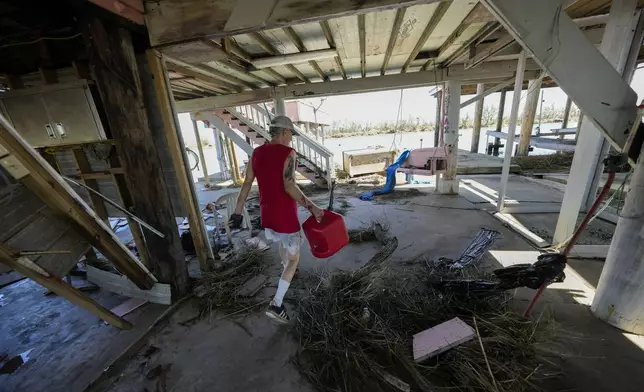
{"points": [[119, 284], [441, 338], [129, 305]]}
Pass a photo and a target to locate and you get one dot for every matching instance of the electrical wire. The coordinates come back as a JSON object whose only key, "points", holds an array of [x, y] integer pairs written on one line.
{"points": [[396, 127], [41, 39]]}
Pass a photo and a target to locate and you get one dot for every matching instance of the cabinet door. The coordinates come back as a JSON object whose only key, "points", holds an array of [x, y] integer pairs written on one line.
{"points": [[29, 116], [73, 116]]}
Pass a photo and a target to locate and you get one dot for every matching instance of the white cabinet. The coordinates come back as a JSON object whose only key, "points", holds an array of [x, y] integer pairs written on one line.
{"points": [[54, 114]]}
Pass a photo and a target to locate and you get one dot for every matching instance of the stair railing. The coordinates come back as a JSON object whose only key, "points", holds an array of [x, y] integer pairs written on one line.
{"points": [[314, 153]]}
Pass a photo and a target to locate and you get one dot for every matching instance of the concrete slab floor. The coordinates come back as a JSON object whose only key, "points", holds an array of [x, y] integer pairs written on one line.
{"points": [[69, 346], [253, 354]]}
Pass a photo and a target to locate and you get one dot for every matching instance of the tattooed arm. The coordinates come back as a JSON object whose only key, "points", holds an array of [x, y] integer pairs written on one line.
{"points": [[290, 186]]}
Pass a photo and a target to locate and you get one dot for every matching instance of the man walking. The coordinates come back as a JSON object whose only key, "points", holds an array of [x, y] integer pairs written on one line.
{"points": [[273, 164]]}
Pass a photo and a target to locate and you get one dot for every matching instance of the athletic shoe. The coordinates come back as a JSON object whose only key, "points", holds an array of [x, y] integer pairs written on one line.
{"points": [[278, 313]]}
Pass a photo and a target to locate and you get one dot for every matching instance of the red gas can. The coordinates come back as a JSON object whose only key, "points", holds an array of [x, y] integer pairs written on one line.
{"points": [[326, 237]]}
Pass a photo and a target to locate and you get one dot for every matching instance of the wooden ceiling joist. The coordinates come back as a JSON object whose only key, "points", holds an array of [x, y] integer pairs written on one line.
{"points": [[433, 22], [331, 42], [200, 73], [297, 41], [362, 36], [395, 31], [266, 46]]}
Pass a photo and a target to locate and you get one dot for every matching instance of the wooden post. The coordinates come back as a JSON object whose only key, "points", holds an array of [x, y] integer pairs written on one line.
{"points": [[28, 268], [439, 117], [448, 184], [128, 204], [619, 298], [179, 160], [84, 167], [566, 116], [231, 160], [202, 157], [234, 160], [478, 115], [529, 112], [116, 73], [499, 123], [509, 142]]}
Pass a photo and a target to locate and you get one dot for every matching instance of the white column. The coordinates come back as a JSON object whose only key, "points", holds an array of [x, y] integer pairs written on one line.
{"points": [[448, 184], [619, 299], [280, 106], [616, 47], [509, 142]]}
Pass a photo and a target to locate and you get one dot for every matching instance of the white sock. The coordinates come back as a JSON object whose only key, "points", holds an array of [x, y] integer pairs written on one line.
{"points": [[282, 287]]}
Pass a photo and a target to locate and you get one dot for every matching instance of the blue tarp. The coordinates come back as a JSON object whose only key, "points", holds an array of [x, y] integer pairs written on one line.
{"points": [[391, 177]]}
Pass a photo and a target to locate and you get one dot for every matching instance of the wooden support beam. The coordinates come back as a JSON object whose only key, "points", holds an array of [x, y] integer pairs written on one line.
{"points": [[297, 41], [362, 36], [433, 22], [174, 20], [207, 74], [118, 178], [177, 154], [493, 72], [395, 31], [84, 167], [566, 115], [529, 111], [471, 44], [331, 42], [127, 107], [25, 267], [202, 156], [485, 93], [501, 43], [37, 175], [195, 52], [478, 114], [263, 42]]}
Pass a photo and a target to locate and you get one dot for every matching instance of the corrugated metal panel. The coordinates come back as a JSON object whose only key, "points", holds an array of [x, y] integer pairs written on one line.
{"points": [[449, 23]]}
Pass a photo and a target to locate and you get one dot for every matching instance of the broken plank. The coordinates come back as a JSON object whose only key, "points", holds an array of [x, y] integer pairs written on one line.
{"points": [[119, 284], [63, 289], [128, 306]]}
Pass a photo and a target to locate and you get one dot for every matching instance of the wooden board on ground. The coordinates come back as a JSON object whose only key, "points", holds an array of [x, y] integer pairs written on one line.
{"points": [[129, 305], [119, 284], [441, 338]]}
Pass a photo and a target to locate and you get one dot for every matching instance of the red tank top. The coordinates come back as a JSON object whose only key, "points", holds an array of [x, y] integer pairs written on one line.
{"points": [[278, 210]]}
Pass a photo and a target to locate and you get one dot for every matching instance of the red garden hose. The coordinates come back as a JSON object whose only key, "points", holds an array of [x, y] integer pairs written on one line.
{"points": [[571, 243]]}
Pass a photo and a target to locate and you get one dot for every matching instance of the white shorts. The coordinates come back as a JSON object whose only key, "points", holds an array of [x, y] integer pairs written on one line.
{"points": [[291, 241]]}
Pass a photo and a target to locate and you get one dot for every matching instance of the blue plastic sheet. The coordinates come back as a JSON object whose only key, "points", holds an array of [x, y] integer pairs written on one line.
{"points": [[391, 177]]}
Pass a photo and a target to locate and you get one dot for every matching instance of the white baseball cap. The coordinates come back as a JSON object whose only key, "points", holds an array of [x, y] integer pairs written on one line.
{"points": [[283, 122]]}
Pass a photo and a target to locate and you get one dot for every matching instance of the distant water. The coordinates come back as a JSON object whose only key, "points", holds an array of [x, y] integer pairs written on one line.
{"points": [[402, 141]]}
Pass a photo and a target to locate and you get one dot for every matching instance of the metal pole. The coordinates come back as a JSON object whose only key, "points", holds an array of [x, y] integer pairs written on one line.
{"points": [[509, 143]]}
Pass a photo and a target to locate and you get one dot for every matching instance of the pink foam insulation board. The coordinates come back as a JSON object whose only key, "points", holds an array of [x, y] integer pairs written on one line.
{"points": [[441, 338]]}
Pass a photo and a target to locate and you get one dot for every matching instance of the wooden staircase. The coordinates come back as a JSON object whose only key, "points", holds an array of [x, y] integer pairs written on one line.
{"points": [[314, 161]]}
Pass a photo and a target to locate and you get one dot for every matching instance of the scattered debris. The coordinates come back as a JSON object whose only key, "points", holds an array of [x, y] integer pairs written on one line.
{"points": [[150, 351], [222, 288], [374, 232], [355, 331], [441, 338], [483, 240], [128, 306]]}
